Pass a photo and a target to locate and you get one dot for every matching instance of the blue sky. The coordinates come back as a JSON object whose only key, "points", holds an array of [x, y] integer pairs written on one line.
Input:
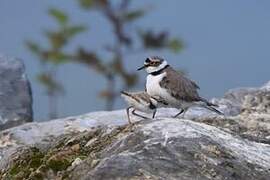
{"points": [[226, 45]]}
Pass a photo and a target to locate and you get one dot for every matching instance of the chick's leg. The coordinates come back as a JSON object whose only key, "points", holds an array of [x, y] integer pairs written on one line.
{"points": [[181, 111], [136, 114], [154, 113], [129, 121]]}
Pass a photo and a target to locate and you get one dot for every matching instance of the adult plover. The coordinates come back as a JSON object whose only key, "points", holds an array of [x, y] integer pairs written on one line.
{"points": [[176, 89], [143, 102]]}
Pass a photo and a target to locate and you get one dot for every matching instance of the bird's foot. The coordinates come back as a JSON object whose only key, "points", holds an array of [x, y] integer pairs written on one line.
{"points": [[182, 112], [177, 117]]}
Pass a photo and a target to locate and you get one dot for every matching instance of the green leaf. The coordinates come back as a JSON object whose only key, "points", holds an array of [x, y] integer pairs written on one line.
{"points": [[50, 83], [175, 45], [59, 15], [57, 39], [74, 30], [133, 15], [57, 57], [33, 47], [86, 3]]}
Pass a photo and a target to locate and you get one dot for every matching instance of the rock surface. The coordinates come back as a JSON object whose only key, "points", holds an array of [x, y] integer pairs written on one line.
{"points": [[15, 93], [100, 145]]}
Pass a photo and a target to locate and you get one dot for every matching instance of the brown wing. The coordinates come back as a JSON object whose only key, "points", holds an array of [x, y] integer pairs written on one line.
{"points": [[179, 86], [144, 96]]}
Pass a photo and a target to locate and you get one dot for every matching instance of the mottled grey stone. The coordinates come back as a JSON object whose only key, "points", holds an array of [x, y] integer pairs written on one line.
{"points": [[169, 149], [15, 93], [100, 145]]}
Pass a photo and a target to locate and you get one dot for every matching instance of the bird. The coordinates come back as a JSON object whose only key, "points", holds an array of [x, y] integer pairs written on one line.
{"points": [[141, 101], [176, 89]]}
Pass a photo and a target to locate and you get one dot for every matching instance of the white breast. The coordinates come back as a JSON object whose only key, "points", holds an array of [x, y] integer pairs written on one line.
{"points": [[152, 84], [153, 88]]}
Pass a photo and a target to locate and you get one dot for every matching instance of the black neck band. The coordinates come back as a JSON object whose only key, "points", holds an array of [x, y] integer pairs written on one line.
{"points": [[155, 73]]}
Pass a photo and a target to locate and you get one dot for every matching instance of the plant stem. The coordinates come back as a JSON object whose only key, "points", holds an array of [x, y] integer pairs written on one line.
{"points": [[110, 98], [53, 98]]}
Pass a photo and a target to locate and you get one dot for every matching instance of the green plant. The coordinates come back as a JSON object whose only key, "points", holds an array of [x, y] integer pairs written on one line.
{"points": [[120, 17]]}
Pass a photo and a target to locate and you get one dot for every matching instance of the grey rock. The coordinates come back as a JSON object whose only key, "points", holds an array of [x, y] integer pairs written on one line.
{"points": [[248, 113], [169, 149], [155, 149], [266, 86], [15, 93], [100, 145], [234, 100]]}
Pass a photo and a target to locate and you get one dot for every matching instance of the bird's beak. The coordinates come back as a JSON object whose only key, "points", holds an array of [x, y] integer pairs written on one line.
{"points": [[144, 66]]}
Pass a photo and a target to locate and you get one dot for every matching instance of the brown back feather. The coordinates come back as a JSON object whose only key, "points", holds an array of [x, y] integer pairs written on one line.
{"points": [[180, 86]]}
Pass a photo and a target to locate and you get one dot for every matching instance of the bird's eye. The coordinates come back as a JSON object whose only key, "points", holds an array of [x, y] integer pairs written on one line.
{"points": [[147, 60]]}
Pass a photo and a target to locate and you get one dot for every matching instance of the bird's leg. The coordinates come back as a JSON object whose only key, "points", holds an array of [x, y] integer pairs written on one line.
{"points": [[129, 121], [184, 113], [154, 113], [136, 114], [175, 116]]}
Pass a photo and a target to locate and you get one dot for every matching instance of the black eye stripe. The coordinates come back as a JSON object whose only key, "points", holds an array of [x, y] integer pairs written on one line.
{"points": [[153, 62]]}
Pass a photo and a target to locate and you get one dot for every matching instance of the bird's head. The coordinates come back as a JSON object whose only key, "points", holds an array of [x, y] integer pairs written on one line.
{"points": [[153, 64]]}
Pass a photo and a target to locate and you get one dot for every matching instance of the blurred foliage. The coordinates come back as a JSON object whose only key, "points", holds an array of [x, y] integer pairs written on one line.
{"points": [[87, 4], [133, 15], [53, 56], [120, 16], [60, 16], [175, 45], [49, 81]]}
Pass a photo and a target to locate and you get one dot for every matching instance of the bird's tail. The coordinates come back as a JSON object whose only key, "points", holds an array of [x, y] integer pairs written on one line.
{"points": [[210, 106], [125, 93], [127, 96], [213, 109]]}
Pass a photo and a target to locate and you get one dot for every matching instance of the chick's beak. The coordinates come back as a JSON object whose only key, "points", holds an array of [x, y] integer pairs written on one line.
{"points": [[144, 66]]}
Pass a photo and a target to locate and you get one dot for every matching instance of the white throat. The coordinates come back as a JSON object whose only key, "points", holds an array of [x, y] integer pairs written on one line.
{"points": [[152, 69]]}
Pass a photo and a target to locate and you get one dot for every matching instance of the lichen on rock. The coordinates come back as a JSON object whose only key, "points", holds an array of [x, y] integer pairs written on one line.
{"points": [[101, 145], [55, 161]]}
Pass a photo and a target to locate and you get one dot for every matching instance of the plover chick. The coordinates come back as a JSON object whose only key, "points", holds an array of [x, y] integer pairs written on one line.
{"points": [[176, 89], [141, 101]]}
